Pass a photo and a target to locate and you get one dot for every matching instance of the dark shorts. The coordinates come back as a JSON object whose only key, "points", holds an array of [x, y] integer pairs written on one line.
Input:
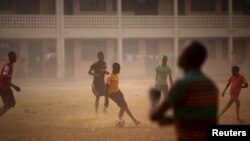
{"points": [[98, 90], [118, 98], [8, 98]]}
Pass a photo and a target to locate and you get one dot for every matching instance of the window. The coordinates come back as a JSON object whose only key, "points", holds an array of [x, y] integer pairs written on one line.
{"points": [[91, 48], [5, 4], [146, 7], [202, 5], [92, 5], [241, 6], [27, 7], [114, 5], [130, 50], [68, 7], [224, 5], [181, 7], [129, 5]]}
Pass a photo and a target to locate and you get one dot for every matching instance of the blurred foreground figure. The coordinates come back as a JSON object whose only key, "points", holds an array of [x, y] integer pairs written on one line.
{"points": [[5, 84], [194, 98], [113, 92], [237, 82], [98, 70]]}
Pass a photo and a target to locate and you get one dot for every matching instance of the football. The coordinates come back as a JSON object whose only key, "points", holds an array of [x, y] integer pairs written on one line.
{"points": [[119, 123]]}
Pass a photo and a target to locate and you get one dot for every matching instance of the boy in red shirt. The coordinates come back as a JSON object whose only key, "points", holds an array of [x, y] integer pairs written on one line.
{"points": [[5, 84], [237, 82]]}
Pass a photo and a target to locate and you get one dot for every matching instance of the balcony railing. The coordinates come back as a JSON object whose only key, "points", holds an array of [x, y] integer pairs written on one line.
{"points": [[203, 21], [76, 22], [27, 22], [149, 22], [128, 22], [241, 21]]}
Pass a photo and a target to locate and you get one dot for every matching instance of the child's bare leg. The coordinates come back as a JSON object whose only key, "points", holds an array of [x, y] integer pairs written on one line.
{"points": [[96, 104], [3, 110], [105, 108], [238, 110], [131, 115], [229, 104], [121, 113]]}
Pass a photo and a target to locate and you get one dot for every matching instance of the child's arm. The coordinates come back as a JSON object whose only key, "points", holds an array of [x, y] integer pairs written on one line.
{"points": [[171, 80], [157, 112], [106, 96], [156, 75], [106, 72], [226, 88], [90, 72], [7, 81]]}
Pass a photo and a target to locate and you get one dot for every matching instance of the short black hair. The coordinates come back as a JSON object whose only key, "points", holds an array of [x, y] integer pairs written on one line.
{"points": [[116, 65], [193, 56], [11, 53], [237, 68], [99, 53]]}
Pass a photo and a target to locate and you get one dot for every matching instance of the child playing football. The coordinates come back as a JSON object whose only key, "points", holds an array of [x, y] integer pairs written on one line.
{"points": [[237, 82], [113, 92]]}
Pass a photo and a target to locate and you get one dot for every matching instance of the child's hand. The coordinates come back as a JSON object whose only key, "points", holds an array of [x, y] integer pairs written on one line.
{"points": [[154, 96], [17, 88], [107, 73]]}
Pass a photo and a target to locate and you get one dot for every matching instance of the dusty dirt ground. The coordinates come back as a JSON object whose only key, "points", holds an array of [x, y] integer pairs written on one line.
{"points": [[64, 111]]}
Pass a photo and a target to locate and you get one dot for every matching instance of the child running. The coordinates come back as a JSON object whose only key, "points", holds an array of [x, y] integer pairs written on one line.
{"points": [[5, 84], [113, 92], [237, 82]]}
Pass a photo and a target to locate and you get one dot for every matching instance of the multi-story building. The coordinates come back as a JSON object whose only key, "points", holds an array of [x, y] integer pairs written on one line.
{"points": [[61, 37]]}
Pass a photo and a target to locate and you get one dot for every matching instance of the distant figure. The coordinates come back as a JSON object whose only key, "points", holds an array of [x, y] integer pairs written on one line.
{"points": [[162, 73], [237, 82], [113, 92], [5, 84], [98, 70], [51, 63], [194, 98]]}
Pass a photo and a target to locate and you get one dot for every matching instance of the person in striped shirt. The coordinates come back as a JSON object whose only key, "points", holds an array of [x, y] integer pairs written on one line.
{"points": [[193, 98]]}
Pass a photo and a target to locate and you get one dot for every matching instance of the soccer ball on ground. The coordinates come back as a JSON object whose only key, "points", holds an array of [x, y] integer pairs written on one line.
{"points": [[119, 123]]}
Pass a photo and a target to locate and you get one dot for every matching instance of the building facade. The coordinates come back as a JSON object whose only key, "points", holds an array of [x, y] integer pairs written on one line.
{"points": [[60, 38]]}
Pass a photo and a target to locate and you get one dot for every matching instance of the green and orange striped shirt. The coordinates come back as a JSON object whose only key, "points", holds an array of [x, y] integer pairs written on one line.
{"points": [[195, 103]]}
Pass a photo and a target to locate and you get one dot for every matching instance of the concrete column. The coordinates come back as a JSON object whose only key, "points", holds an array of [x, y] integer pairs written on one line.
{"points": [[119, 14], [60, 39], [230, 13], [230, 40], [109, 6], [175, 5], [176, 55], [176, 40]]}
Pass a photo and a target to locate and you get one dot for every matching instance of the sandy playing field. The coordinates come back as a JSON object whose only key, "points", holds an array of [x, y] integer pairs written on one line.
{"points": [[64, 111]]}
